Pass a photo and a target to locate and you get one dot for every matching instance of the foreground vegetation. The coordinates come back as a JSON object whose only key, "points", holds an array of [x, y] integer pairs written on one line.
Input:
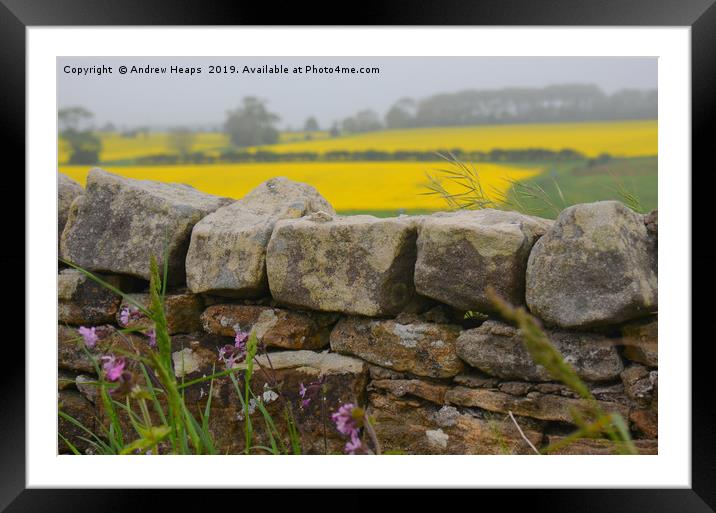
{"points": [[140, 388]]}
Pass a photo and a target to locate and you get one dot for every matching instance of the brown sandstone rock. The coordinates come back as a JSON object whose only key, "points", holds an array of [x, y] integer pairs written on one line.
{"points": [[182, 311], [475, 379], [425, 349], [433, 392], [646, 422], [640, 384], [641, 341], [72, 403], [423, 428], [535, 405], [275, 327], [600, 446]]}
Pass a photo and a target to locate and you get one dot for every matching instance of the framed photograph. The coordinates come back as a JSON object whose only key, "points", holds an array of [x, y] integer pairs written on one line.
{"points": [[429, 239]]}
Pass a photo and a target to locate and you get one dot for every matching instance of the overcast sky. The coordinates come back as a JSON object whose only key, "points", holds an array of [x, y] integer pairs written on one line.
{"points": [[165, 99]]}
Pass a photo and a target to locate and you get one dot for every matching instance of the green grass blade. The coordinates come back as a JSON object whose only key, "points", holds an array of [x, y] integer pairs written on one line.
{"points": [[70, 445]]}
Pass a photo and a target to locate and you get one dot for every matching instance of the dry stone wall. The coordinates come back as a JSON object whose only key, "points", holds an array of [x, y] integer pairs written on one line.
{"points": [[373, 308]]}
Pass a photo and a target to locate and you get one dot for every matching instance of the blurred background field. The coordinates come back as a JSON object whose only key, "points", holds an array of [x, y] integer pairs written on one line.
{"points": [[365, 187], [543, 148]]}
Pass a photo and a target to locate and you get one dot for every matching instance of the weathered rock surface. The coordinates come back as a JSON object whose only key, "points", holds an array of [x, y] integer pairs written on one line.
{"points": [[357, 264], [65, 379], [277, 382], [87, 386], [475, 379], [498, 350], [76, 406], [378, 372], [599, 446], [640, 384], [534, 405], [182, 311], [645, 421], [227, 253], [119, 223], [593, 268], [433, 392], [425, 349], [651, 220], [82, 301], [461, 254], [67, 191], [409, 427], [641, 341], [275, 327]]}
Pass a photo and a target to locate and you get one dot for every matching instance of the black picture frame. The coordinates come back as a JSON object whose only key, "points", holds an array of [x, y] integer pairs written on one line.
{"points": [[17, 15]]}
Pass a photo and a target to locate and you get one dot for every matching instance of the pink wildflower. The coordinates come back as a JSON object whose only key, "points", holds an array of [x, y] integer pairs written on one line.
{"points": [[124, 316], [233, 355], [240, 340], [90, 336], [113, 367], [343, 418], [129, 314], [152, 335], [310, 392], [354, 445]]}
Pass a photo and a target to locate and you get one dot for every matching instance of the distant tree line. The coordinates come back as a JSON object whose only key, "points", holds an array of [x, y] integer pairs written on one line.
{"points": [[253, 124], [242, 156], [571, 102]]}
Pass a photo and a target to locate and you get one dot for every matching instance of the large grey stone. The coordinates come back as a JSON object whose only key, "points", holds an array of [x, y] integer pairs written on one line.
{"points": [[593, 267], [461, 254], [120, 222], [422, 348], [497, 349], [227, 253], [67, 191], [357, 265]]}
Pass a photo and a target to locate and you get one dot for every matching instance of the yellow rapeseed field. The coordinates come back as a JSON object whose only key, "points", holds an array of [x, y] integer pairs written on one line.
{"points": [[116, 147], [347, 185], [618, 138]]}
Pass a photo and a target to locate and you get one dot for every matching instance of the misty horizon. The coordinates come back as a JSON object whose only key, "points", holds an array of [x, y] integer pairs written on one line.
{"points": [[201, 100]]}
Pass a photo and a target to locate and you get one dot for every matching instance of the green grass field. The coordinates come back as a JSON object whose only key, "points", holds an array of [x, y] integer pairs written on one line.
{"points": [[581, 183]]}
